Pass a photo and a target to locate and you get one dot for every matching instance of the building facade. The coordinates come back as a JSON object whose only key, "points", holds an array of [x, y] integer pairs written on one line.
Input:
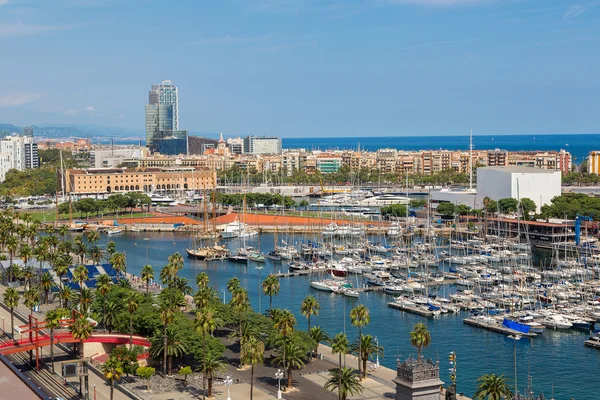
{"points": [[593, 163], [100, 181], [262, 145], [18, 152], [162, 113], [108, 157]]}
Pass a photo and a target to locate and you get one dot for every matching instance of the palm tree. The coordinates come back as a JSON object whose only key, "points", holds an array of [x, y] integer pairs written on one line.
{"points": [[204, 297], [284, 321], [109, 315], [118, 262], [133, 302], [270, 287], [339, 345], [111, 248], [319, 335], [12, 244], [176, 260], [65, 294], [205, 322], [213, 365], [359, 317], [80, 249], [241, 305], [201, 280], [167, 275], [113, 371], [60, 269], [80, 274], [364, 349], [171, 303], [344, 381], [493, 387], [81, 329], [92, 237], [169, 345], [27, 274], [147, 276], [25, 253], [233, 285], [310, 306], [11, 299], [95, 254], [52, 320], [253, 352], [103, 286], [62, 231], [46, 284], [40, 252], [182, 285], [86, 296], [419, 338], [290, 357], [31, 298]]}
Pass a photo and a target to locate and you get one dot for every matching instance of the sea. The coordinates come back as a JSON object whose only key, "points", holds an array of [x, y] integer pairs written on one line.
{"points": [[556, 361], [578, 145]]}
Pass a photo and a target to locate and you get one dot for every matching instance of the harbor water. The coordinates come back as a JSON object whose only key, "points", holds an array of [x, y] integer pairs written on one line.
{"points": [[556, 361]]}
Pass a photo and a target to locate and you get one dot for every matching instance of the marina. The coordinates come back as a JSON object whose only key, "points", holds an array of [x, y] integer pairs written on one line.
{"points": [[391, 324]]}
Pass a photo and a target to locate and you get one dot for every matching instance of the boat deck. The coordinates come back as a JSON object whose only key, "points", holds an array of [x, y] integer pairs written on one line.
{"points": [[414, 310], [496, 328]]}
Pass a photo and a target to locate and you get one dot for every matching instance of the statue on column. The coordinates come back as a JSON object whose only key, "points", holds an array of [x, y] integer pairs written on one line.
{"points": [[451, 392]]}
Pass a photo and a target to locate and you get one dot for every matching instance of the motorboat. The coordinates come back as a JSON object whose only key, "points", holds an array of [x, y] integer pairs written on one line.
{"points": [[273, 255], [535, 326], [351, 293], [556, 321], [115, 231]]}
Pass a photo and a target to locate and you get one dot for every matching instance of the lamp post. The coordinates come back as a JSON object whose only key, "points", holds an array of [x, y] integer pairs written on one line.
{"points": [[377, 360], [228, 382], [259, 267], [279, 376], [223, 291], [94, 391]]}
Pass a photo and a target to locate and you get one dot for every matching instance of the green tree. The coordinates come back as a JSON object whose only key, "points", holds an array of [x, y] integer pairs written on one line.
{"points": [[112, 370], [270, 287], [446, 209], [290, 356], [214, 365], [145, 373], [508, 205], [118, 262], [11, 299], [360, 317], [310, 306], [80, 274], [168, 345], [206, 322], [253, 352], [319, 335], [52, 320], [46, 284], [419, 338], [31, 299], [133, 302], [344, 381], [340, 345], [493, 387], [147, 276], [202, 280], [109, 315], [81, 329], [184, 371], [365, 348], [233, 285], [528, 206]]}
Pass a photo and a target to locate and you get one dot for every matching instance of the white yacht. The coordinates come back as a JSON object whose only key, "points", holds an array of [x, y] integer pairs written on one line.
{"points": [[555, 321]]}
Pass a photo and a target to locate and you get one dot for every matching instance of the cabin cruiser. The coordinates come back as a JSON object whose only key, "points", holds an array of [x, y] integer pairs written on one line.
{"points": [[555, 321]]}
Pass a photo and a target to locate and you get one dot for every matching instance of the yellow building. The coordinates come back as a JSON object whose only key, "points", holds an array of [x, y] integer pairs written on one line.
{"points": [[594, 162], [123, 180]]}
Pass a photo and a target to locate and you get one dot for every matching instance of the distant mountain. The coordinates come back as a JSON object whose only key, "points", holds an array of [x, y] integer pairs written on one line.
{"points": [[10, 128]]}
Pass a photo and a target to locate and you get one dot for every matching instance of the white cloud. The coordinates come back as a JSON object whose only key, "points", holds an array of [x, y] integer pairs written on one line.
{"points": [[90, 108], [18, 98], [3, 2], [577, 9]]}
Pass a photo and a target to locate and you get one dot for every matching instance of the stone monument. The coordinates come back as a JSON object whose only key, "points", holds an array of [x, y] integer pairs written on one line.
{"points": [[418, 380]]}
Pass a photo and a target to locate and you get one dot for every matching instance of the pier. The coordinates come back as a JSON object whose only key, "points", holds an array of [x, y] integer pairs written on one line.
{"points": [[496, 328], [414, 310]]}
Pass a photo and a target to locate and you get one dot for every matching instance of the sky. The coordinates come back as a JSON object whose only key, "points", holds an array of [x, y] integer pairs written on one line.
{"points": [[306, 68]]}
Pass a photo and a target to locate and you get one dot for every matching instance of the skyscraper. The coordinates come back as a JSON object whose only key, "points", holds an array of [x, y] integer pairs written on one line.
{"points": [[162, 121], [165, 94]]}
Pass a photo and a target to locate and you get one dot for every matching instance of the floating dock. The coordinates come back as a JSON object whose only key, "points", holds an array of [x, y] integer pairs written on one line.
{"points": [[496, 328], [595, 343], [414, 310]]}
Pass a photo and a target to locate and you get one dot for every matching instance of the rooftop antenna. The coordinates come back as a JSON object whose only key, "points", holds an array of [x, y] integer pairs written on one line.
{"points": [[471, 161]]}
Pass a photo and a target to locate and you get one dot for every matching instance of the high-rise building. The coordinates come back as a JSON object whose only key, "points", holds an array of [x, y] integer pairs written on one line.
{"points": [[18, 152], [161, 110], [262, 145], [165, 94], [28, 131]]}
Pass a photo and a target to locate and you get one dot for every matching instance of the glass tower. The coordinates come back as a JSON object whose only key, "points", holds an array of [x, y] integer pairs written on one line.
{"points": [[161, 110]]}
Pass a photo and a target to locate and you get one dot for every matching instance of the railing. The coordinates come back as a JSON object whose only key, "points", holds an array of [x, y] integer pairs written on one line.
{"points": [[413, 371]]}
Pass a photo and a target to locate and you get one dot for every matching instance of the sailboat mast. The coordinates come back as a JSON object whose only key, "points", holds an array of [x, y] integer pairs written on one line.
{"points": [[471, 160]]}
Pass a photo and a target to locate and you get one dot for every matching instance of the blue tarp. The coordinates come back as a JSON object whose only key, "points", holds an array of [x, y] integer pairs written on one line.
{"points": [[516, 326]]}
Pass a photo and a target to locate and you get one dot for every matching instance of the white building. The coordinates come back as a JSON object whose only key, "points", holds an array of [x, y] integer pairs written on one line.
{"points": [[108, 157], [17, 152], [236, 145], [539, 185], [262, 145]]}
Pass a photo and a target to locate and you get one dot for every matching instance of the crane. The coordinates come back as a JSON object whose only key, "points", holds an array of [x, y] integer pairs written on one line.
{"points": [[578, 219]]}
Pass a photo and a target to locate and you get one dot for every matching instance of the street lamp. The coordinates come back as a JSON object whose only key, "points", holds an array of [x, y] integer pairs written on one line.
{"points": [[223, 291], [279, 376], [228, 382], [94, 391], [377, 360], [258, 267]]}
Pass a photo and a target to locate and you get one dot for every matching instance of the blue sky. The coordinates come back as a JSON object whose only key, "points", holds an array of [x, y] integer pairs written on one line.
{"points": [[306, 68]]}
